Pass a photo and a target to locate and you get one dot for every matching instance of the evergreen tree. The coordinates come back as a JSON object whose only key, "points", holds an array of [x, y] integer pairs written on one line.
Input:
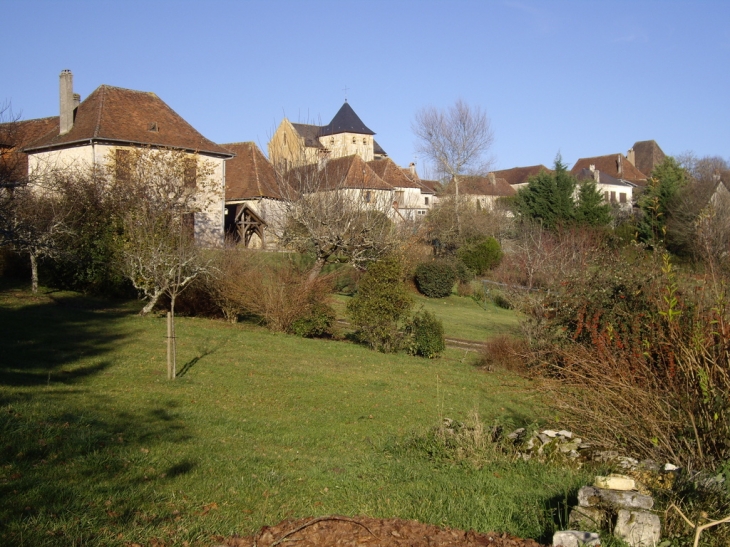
{"points": [[591, 208], [659, 200], [549, 197]]}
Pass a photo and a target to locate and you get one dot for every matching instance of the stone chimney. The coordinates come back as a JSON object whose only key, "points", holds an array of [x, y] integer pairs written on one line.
{"points": [[412, 168], [631, 156], [492, 179], [68, 102], [620, 165], [596, 175]]}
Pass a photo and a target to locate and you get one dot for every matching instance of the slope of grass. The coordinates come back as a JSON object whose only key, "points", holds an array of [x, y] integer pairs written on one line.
{"points": [[98, 448], [463, 317]]}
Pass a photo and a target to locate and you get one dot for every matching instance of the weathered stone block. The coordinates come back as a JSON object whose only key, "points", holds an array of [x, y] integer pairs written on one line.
{"points": [[615, 482], [588, 518], [589, 496], [638, 528], [575, 538]]}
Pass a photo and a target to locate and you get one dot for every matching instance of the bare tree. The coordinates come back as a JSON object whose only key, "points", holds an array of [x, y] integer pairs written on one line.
{"points": [[161, 191], [455, 140], [338, 210]]}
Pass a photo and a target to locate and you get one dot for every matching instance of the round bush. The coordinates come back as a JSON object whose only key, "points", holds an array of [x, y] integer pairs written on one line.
{"points": [[482, 255], [435, 279], [426, 335]]}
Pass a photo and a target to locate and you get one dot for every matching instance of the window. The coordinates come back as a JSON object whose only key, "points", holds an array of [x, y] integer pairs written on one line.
{"points": [[613, 197], [400, 197], [354, 140], [122, 169], [332, 141], [152, 126], [368, 196], [622, 197], [605, 195], [190, 175], [364, 140], [425, 201]]}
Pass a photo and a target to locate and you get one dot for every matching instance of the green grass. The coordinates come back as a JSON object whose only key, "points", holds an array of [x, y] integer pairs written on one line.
{"points": [[463, 317], [98, 448]]}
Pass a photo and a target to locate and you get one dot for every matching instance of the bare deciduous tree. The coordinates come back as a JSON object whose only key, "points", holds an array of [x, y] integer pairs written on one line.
{"points": [[455, 140], [338, 210], [161, 191]]}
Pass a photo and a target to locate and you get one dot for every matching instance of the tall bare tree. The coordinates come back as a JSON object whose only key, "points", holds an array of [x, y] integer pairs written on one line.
{"points": [[456, 140]]}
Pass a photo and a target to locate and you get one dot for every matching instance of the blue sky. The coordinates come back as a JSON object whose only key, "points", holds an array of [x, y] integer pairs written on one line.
{"points": [[582, 78]]}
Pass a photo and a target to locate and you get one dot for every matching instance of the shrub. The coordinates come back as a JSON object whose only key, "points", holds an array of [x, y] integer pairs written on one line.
{"points": [[426, 335], [318, 321], [504, 352], [273, 288], [435, 279], [481, 255], [380, 306], [463, 273]]}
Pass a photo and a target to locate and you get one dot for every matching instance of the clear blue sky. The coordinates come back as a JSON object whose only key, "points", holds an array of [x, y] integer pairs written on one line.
{"points": [[583, 78]]}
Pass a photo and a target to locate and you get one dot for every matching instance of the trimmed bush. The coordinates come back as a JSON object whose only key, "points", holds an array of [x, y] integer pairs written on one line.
{"points": [[481, 255], [426, 334], [380, 306], [435, 279], [319, 321]]}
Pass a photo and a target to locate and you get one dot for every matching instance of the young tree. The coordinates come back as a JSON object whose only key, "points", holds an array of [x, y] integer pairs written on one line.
{"points": [[161, 190], [456, 140], [660, 200]]}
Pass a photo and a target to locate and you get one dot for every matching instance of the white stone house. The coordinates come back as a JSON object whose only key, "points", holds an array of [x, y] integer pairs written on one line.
{"points": [[112, 120]]}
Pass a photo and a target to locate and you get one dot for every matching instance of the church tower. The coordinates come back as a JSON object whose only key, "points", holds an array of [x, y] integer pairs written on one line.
{"points": [[346, 135]]}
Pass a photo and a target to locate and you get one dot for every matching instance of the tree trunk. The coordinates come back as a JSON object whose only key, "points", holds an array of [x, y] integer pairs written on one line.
{"points": [[151, 304], [316, 270], [33, 272], [456, 206], [174, 338]]}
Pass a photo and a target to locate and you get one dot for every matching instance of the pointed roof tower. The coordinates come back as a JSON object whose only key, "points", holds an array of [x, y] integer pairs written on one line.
{"points": [[345, 121]]}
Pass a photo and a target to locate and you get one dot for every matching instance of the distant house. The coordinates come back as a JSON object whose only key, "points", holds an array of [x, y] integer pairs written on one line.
{"points": [[411, 200], [615, 191], [483, 191], [112, 120], [253, 197], [517, 177], [617, 166]]}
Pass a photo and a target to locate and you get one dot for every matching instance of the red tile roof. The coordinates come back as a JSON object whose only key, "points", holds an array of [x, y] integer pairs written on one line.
{"points": [[519, 175], [392, 174], [482, 186], [610, 165], [249, 174], [16, 135], [345, 172], [114, 114]]}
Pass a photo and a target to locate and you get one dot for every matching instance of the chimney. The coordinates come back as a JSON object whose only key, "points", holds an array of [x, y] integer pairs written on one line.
{"points": [[631, 156], [492, 179], [596, 174], [592, 167], [412, 167], [620, 165], [67, 101]]}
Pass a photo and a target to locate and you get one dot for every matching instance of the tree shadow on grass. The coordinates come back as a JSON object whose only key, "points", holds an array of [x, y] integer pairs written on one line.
{"points": [[42, 338], [72, 458]]}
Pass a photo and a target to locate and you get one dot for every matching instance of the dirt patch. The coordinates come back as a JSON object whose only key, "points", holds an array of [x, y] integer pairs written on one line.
{"points": [[364, 531]]}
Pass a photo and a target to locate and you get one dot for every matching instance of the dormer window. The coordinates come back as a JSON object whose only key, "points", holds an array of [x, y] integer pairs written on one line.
{"points": [[152, 126]]}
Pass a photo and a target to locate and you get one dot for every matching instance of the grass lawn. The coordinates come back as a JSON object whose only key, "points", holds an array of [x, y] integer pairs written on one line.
{"points": [[463, 317], [98, 448]]}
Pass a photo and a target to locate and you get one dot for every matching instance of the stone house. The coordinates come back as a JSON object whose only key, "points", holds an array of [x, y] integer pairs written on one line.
{"points": [[113, 120]]}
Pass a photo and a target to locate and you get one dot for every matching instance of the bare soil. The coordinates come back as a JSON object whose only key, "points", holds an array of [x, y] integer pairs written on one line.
{"points": [[364, 531]]}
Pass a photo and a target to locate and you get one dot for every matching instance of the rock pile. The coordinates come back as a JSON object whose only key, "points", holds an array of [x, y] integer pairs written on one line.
{"points": [[612, 504]]}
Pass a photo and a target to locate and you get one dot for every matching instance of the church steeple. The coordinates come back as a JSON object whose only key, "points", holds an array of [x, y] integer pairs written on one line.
{"points": [[345, 121]]}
